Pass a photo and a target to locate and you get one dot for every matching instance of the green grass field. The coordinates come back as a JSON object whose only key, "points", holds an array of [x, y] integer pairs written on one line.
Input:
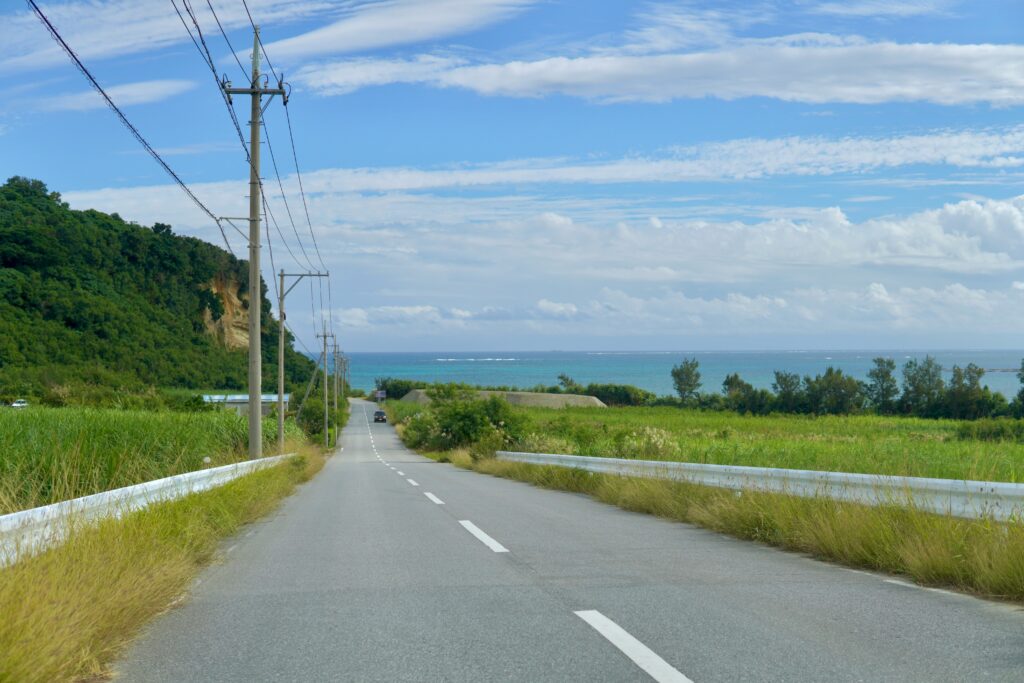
{"points": [[53, 454], [868, 444]]}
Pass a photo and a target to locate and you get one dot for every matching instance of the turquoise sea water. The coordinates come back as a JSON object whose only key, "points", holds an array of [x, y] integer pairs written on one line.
{"points": [[650, 369]]}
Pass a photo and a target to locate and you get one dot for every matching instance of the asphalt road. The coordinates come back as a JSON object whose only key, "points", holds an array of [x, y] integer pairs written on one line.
{"points": [[391, 567]]}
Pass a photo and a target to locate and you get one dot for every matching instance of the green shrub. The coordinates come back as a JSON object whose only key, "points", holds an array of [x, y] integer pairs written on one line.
{"points": [[992, 429], [461, 423]]}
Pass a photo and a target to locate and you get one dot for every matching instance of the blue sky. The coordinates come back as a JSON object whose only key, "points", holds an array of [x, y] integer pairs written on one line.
{"points": [[518, 174]]}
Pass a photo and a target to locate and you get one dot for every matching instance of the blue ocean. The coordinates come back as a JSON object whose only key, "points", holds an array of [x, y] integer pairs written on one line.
{"points": [[651, 369]]}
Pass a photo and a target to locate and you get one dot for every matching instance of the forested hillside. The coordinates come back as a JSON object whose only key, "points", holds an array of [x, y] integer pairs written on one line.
{"points": [[87, 298]]}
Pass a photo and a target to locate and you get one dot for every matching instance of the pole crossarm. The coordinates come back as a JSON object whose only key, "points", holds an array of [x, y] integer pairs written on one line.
{"points": [[282, 293], [298, 277]]}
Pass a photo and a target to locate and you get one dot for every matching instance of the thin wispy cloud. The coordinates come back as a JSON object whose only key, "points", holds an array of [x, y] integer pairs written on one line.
{"points": [[124, 95], [101, 29], [882, 8], [808, 69], [749, 158], [372, 25]]}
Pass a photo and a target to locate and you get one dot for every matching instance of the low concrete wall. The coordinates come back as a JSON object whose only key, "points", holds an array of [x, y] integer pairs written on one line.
{"points": [[530, 399]]}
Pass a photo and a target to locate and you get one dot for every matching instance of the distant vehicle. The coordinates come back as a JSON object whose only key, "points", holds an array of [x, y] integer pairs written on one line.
{"points": [[20, 403], [380, 416]]}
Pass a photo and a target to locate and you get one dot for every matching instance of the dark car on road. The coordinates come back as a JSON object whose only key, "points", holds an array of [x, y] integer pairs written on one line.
{"points": [[380, 416]]}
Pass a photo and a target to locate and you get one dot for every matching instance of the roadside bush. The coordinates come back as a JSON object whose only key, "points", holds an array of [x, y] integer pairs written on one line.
{"points": [[992, 429], [485, 447], [421, 430], [621, 394], [461, 423]]}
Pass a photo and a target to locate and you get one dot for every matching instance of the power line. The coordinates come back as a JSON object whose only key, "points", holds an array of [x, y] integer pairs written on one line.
{"points": [[309, 222], [204, 52], [284, 198], [273, 219], [265, 55], [226, 40], [302, 191], [124, 120]]}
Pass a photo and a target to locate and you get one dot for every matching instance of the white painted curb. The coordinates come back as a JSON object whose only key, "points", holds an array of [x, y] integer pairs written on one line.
{"points": [[28, 532]]}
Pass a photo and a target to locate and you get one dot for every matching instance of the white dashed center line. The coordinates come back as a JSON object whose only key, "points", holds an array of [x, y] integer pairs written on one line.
{"points": [[400, 473], [482, 537], [653, 665], [433, 498], [412, 482]]}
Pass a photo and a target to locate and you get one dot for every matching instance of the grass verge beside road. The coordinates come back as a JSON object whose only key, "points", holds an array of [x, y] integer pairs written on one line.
{"points": [[69, 612], [902, 446], [53, 454], [982, 557]]}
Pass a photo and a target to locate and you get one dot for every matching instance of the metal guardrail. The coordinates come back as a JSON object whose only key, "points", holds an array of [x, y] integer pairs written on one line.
{"points": [[28, 532], [960, 498]]}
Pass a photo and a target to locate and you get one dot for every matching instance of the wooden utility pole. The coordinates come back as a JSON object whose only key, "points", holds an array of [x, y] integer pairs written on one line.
{"points": [[281, 293], [255, 290]]}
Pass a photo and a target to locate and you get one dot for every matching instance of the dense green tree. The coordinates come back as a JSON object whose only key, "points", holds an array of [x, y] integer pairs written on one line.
{"points": [[686, 380], [789, 393], [923, 388], [742, 397], [833, 393], [882, 389]]}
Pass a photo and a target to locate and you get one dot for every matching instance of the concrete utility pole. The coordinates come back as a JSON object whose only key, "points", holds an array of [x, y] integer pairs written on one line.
{"points": [[281, 293], [255, 291], [344, 379], [335, 378], [327, 406], [327, 442]]}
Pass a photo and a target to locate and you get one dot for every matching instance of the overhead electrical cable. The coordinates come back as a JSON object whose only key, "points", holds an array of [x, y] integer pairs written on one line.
{"points": [[128, 124], [226, 39], [265, 55], [284, 197]]}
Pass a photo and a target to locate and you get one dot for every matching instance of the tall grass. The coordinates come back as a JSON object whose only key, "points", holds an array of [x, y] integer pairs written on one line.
{"points": [[868, 444], [53, 454], [67, 613]]}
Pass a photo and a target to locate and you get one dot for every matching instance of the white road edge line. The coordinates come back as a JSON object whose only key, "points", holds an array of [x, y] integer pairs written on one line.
{"points": [[433, 498], [907, 584], [412, 482], [641, 655], [482, 537]]}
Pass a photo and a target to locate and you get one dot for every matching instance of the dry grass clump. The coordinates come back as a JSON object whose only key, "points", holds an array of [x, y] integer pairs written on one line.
{"points": [[68, 612], [984, 557]]}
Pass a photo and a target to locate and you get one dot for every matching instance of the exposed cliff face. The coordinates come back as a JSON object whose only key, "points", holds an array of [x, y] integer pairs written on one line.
{"points": [[232, 328]]}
